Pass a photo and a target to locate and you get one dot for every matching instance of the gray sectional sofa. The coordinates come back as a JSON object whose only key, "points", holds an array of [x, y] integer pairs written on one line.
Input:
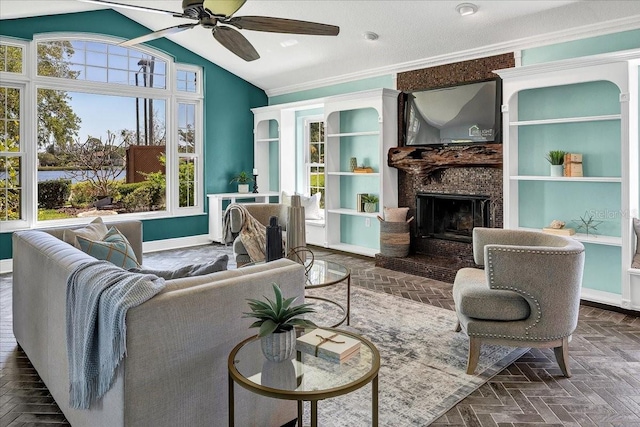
{"points": [[175, 370]]}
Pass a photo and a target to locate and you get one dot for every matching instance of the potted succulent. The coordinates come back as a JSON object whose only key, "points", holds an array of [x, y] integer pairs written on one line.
{"points": [[243, 179], [556, 159], [370, 201], [276, 320]]}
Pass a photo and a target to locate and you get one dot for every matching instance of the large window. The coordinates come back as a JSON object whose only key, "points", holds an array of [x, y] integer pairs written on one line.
{"points": [[115, 129], [314, 162]]}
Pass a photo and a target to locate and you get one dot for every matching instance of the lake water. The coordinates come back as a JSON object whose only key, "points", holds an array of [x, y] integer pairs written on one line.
{"points": [[51, 175]]}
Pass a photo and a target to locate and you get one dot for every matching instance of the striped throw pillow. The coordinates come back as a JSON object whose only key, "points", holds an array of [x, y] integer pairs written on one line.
{"points": [[114, 247]]}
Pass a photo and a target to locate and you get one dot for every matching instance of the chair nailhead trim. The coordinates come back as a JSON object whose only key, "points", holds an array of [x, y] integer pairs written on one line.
{"points": [[521, 291], [512, 337]]}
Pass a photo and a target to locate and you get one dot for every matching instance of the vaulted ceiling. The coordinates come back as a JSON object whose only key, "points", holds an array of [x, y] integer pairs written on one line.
{"points": [[412, 34]]}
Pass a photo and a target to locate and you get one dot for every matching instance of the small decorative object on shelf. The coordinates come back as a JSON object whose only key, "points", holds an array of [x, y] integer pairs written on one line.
{"points": [[573, 164], [276, 320], [556, 159], [353, 164], [328, 345], [588, 224], [255, 180], [370, 201], [557, 227], [363, 169], [243, 179]]}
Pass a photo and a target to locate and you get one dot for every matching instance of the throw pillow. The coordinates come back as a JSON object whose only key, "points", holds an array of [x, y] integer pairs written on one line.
{"points": [[219, 264], [96, 230], [311, 204], [636, 228], [114, 247], [395, 214]]}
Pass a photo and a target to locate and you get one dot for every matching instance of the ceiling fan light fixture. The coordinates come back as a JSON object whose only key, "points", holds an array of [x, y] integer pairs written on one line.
{"points": [[223, 7], [466, 9]]}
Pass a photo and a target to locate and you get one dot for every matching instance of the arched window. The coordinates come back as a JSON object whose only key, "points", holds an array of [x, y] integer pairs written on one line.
{"points": [[115, 129]]}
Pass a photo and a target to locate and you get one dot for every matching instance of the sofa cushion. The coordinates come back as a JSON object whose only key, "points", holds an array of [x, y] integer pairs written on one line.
{"points": [[114, 247], [219, 264], [95, 230], [475, 299]]}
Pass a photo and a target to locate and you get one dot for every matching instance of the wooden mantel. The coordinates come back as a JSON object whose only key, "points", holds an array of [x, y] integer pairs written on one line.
{"points": [[423, 161]]}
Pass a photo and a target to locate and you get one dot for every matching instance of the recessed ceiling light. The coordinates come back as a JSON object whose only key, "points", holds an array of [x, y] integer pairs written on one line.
{"points": [[466, 9], [370, 36], [289, 43]]}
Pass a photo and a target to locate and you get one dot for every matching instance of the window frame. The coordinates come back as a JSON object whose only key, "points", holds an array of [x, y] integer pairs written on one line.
{"points": [[31, 83], [307, 160]]}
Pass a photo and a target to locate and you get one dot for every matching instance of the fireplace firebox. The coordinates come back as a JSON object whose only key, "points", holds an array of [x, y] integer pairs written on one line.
{"points": [[450, 216]]}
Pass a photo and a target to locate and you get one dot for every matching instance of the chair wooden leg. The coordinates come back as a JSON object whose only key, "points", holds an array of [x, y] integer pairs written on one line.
{"points": [[474, 354], [562, 356], [458, 327]]}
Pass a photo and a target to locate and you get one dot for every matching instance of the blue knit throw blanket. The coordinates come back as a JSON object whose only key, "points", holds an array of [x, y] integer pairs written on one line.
{"points": [[98, 297]]}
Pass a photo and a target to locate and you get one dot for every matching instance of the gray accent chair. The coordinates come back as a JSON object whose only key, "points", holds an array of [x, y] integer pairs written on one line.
{"points": [[528, 294], [262, 212]]}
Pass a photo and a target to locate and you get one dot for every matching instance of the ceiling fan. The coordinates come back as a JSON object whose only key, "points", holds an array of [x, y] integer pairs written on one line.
{"points": [[217, 16]]}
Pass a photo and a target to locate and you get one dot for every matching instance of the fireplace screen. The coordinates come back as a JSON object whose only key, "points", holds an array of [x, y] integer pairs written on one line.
{"points": [[450, 216]]}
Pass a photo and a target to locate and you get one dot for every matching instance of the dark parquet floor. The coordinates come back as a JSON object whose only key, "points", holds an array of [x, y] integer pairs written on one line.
{"points": [[605, 361]]}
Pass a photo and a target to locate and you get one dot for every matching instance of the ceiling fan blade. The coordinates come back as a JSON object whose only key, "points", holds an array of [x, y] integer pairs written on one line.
{"points": [[142, 8], [158, 34], [282, 25], [222, 7], [235, 42]]}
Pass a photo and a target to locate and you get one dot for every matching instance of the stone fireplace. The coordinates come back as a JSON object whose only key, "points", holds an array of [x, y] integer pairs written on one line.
{"points": [[451, 173]]}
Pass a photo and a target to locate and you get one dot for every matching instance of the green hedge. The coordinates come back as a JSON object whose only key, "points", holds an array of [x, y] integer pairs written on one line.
{"points": [[53, 194]]}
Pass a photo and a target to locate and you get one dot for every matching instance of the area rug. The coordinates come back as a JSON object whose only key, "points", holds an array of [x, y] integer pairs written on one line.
{"points": [[423, 361]]}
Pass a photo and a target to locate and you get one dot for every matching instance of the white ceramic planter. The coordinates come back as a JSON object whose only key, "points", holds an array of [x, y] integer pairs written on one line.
{"points": [[279, 346], [370, 207], [243, 188], [556, 170]]}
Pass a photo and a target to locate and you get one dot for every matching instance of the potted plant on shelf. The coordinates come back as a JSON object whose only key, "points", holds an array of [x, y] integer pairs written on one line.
{"points": [[370, 201], [276, 320], [243, 179], [556, 158]]}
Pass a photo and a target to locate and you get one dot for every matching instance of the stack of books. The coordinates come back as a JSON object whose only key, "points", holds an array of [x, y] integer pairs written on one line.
{"points": [[328, 345], [573, 164]]}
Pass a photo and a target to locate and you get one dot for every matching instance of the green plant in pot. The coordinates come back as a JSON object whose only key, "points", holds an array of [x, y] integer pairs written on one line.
{"points": [[243, 179], [556, 159], [276, 320], [370, 201]]}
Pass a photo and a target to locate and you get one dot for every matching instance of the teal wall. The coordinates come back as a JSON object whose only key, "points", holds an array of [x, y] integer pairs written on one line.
{"points": [[386, 81], [228, 121], [591, 46]]}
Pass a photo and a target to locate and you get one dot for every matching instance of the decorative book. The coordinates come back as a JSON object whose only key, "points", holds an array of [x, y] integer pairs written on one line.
{"points": [[573, 164], [560, 231], [363, 170], [328, 345]]}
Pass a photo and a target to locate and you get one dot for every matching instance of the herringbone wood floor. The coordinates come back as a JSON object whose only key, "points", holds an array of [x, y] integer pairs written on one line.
{"points": [[605, 361]]}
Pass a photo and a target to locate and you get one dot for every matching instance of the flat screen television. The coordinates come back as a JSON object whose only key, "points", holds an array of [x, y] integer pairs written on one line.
{"points": [[462, 114]]}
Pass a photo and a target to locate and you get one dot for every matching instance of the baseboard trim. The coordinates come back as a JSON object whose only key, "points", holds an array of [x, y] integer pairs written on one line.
{"points": [[609, 300], [6, 265]]}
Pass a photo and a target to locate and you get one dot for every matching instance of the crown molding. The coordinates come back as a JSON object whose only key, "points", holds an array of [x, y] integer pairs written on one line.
{"points": [[587, 31]]}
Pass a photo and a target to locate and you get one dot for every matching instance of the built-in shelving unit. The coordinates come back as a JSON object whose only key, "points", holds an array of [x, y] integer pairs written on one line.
{"points": [[364, 126], [266, 148], [580, 105]]}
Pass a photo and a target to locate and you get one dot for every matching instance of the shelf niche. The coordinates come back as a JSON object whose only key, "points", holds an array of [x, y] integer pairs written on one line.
{"points": [[424, 161]]}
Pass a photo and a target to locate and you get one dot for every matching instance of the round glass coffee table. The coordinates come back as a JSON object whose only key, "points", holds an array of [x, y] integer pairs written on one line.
{"points": [[328, 273], [322, 273], [305, 377]]}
